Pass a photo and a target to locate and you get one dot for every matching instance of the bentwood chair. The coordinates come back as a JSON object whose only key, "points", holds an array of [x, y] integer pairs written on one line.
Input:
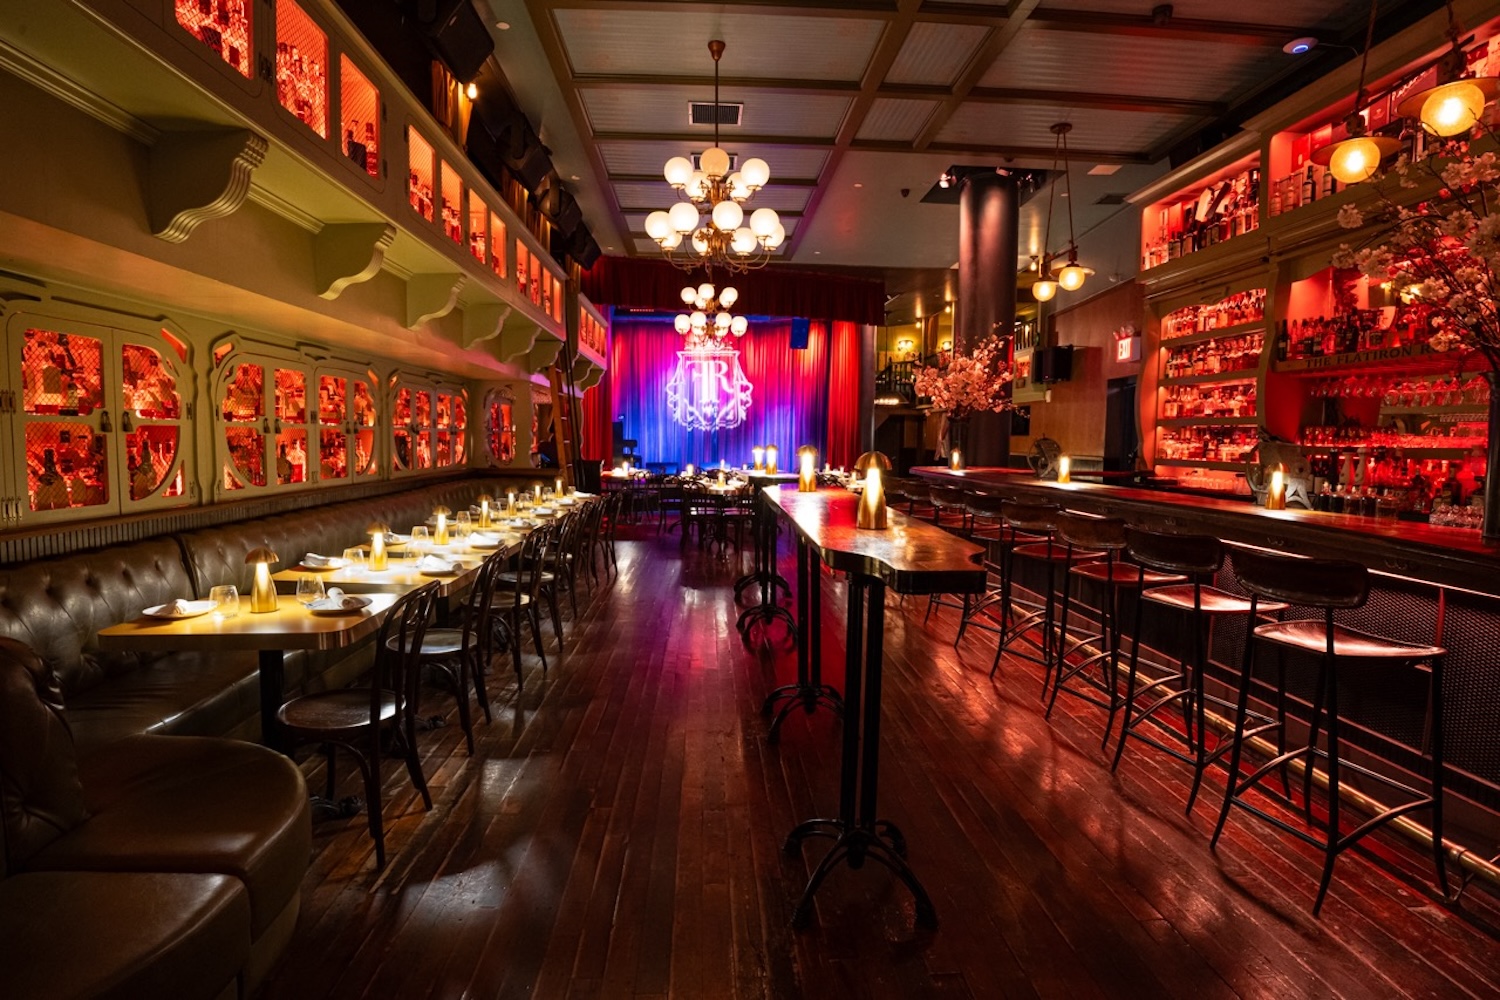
{"points": [[463, 653], [359, 721], [517, 592], [1331, 585]]}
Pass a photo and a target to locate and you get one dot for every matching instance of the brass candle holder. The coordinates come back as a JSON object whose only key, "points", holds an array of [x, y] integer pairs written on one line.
{"points": [[807, 473], [379, 560], [262, 590], [871, 513], [440, 533], [484, 509]]}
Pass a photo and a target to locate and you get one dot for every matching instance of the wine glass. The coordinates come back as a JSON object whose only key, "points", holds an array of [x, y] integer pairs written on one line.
{"points": [[419, 540], [226, 600], [461, 532], [309, 589]]}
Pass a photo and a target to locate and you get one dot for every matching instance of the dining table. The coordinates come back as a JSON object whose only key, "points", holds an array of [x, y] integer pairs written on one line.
{"points": [[271, 634]]}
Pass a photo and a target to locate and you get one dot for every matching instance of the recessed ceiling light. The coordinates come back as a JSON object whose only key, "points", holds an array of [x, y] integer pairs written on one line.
{"points": [[1299, 46], [573, 176], [817, 253], [858, 184], [1104, 169], [503, 25]]}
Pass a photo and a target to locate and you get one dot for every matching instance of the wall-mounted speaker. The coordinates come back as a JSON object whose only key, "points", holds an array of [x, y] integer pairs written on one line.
{"points": [[456, 35], [1052, 364]]}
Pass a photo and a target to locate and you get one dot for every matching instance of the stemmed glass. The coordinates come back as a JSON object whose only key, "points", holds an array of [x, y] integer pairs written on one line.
{"points": [[309, 589]]}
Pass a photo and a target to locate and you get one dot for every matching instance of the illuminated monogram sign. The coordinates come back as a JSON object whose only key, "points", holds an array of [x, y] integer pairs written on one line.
{"points": [[708, 390]]}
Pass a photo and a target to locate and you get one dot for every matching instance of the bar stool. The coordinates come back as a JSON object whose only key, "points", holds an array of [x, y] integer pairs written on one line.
{"points": [[918, 500], [982, 514], [948, 508], [1199, 558], [1032, 536], [1095, 547], [1329, 585], [987, 525]]}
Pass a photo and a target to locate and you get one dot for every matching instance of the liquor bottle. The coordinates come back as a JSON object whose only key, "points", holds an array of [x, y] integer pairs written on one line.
{"points": [[1309, 187], [1283, 341], [1330, 183]]}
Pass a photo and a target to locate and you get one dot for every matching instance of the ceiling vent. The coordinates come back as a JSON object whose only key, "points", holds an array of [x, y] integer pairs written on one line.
{"points": [[706, 113], [1111, 199]]}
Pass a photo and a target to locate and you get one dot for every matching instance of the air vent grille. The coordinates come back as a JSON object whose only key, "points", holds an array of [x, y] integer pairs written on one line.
{"points": [[714, 114], [1111, 199]]}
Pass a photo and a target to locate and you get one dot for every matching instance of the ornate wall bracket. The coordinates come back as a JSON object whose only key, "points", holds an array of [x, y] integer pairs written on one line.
{"points": [[197, 176], [431, 296], [590, 377], [543, 354], [348, 253], [517, 341], [484, 321]]}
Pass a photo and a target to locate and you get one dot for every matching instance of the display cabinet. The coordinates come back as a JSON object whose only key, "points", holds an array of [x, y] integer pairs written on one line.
{"points": [[429, 424], [359, 106], [301, 67], [97, 419], [225, 28], [285, 421], [419, 176], [1211, 210], [500, 426]]}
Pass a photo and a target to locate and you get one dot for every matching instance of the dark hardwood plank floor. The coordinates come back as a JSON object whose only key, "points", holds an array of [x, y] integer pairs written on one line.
{"points": [[618, 833]]}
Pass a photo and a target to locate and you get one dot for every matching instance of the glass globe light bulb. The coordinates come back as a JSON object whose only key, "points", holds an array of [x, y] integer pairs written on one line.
{"points": [[672, 241], [722, 320], [1044, 289], [755, 173], [658, 225], [700, 244], [682, 323], [683, 216], [728, 215], [697, 187], [739, 326], [728, 297], [705, 291], [1453, 108], [699, 319], [715, 162], [689, 294], [763, 222], [678, 171], [743, 241], [1071, 277], [777, 237]]}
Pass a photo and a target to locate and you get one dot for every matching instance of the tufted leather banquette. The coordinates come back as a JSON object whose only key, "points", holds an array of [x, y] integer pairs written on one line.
{"points": [[57, 607]]}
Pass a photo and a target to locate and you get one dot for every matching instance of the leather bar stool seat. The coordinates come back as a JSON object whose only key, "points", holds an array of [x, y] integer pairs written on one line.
{"points": [[1312, 637]]}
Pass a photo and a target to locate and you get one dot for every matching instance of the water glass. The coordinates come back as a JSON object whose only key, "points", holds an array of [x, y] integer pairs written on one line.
{"points": [[354, 557], [419, 539], [226, 600], [309, 589], [461, 532]]}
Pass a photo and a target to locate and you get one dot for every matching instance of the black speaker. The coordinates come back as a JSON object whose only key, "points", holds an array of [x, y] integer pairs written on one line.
{"points": [[585, 249], [456, 35], [1052, 364], [801, 330]]}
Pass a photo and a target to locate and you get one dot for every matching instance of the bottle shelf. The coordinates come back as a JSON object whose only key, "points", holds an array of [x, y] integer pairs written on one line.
{"points": [[1198, 463], [1208, 422], [1479, 410], [1238, 375], [1409, 452], [1238, 330]]}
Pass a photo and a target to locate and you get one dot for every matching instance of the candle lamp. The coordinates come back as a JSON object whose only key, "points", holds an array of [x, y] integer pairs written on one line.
{"points": [[688, 470], [440, 533], [559, 490], [759, 454], [956, 460], [484, 509], [262, 591], [771, 459], [721, 477], [807, 473], [1065, 469], [871, 512], [378, 557], [510, 502], [536, 491], [1276, 491]]}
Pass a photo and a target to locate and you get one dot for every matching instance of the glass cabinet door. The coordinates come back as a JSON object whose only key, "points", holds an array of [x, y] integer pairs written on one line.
{"points": [[292, 424], [428, 426], [152, 453], [62, 422], [268, 423], [346, 426], [246, 427]]}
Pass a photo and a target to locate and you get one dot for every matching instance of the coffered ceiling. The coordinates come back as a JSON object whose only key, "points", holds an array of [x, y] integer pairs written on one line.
{"points": [[853, 102]]}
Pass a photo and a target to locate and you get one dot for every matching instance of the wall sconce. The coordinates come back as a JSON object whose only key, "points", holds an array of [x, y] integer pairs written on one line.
{"points": [[262, 591], [905, 345], [945, 345]]}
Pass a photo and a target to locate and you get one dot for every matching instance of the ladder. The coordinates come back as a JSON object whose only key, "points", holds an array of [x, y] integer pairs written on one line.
{"points": [[565, 415]]}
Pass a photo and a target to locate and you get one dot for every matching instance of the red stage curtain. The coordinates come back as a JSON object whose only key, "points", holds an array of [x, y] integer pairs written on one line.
{"points": [[635, 283], [844, 377], [596, 444]]}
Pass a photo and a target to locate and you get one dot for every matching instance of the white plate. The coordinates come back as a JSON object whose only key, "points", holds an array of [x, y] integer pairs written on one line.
{"points": [[194, 609], [542, 511], [364, 602], [328, 567]]}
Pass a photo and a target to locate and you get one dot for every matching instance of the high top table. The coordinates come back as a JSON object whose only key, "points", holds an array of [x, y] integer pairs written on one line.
{"points": [[764, 575], [910, 557]]}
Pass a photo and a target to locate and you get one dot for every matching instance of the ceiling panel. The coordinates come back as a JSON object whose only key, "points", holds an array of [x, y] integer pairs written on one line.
{"points": [[665, 109], [1306, 13], [675, 43], [894, 118], [650, 157], [1030, 124], [783, 199], [935, 53], [638, 194], [1043, 59]]}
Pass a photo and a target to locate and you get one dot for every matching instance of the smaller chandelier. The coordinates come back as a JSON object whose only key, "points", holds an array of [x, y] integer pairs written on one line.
{"points": [[728, 237], [710, 322]]}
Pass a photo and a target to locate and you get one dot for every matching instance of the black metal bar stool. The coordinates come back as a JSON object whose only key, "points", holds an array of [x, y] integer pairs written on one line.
{"points": [[1330, 585], [1095, 548], [987, 526], [981, 514], [1033, 529], [949, 509], [1199, 558]]}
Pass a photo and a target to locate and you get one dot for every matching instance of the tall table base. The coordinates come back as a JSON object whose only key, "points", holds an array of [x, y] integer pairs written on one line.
{"points": [[808, 691], [764, 575], [857, 833]]}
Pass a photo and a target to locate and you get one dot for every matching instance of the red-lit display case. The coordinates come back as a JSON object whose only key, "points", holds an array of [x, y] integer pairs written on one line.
{"points": [[99, 420], [500, 426], [523, 270], [286, 423], [497, 245], [591, 332], [1212, 210], [479, 218], [224, 26], [419, 173], [429, 425], [302, 66], [453, 200], [359, 114]]}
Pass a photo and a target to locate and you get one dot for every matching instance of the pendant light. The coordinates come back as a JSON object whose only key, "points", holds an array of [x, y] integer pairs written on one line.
{"points": [[1070, 276], [1357, 158], [1455, 105]]}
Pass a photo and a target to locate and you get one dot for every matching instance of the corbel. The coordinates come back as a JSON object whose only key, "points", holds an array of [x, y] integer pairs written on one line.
{"points": [[431, 296], [197, 176], [345, 254]]}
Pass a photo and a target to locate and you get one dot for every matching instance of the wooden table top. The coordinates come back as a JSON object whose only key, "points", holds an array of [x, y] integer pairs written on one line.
{"points": [[911, 556], [400, 574], [290, 626]]}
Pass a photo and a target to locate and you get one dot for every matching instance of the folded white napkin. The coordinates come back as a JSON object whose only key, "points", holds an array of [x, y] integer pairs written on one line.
{"points": [[484, 538], [314, 561], [540, 511], [177, 607], [344, 602], [434, 564]]}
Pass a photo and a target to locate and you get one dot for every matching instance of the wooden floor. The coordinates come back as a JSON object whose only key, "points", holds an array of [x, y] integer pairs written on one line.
{"points": [[618, 834]]}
